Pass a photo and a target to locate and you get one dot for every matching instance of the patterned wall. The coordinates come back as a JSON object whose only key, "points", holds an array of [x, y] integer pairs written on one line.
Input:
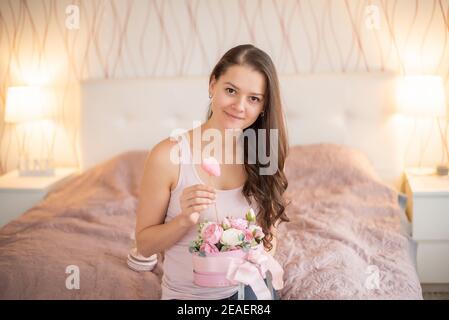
{"points": [[43, 42]]}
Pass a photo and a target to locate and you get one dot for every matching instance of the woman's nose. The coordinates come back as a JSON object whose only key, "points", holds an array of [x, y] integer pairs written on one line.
{"points": [[240, 104]]}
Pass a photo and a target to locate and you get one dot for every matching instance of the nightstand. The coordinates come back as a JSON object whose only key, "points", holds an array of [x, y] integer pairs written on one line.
{"points": [[428, 210], [18, 194]]}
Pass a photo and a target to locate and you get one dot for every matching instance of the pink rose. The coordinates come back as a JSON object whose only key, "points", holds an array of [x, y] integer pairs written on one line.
{"points": [[238, 223], [248, 235], [208, 248], [211, 233]]}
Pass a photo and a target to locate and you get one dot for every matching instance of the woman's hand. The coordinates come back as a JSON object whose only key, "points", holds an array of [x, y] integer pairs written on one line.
{"points": [[194, 200]]}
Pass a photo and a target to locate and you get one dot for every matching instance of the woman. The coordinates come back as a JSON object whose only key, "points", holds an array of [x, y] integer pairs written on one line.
{"points": [[174, 198]]}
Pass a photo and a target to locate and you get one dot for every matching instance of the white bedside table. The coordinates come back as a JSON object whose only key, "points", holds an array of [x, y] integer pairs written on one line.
{"points": [[428, 210], [18, 194]]}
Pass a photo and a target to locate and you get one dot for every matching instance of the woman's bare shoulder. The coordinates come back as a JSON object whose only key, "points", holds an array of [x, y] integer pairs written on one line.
{"points": [[163, 158]]}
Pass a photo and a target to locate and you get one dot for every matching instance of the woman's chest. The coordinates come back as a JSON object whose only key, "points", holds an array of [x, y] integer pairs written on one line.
{"points": [[231, 177]]}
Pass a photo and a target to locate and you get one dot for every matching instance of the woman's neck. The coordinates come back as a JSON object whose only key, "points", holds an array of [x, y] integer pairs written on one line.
{"points": [[226, 143]]}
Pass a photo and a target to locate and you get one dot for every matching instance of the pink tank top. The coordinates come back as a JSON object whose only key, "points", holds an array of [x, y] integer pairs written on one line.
{"points": [[177, 280]]}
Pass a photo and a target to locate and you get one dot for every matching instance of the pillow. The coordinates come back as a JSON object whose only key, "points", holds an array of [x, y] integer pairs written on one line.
{"points": [[327, 163], [121, 173]]}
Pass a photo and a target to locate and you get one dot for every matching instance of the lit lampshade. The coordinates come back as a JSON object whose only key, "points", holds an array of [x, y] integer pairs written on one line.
{"points": [[421, 96], [24, 103]]}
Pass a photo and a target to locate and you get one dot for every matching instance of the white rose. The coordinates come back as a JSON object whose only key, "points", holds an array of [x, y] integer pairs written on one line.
{"points": [[231, 237]]}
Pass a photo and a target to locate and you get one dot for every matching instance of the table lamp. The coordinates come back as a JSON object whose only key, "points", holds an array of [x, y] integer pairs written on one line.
{"points": [[25, 104], [423, 97]]}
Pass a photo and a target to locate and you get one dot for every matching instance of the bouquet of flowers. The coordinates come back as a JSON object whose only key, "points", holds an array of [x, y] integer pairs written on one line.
{"points": [[231, 252], [231, 234]]}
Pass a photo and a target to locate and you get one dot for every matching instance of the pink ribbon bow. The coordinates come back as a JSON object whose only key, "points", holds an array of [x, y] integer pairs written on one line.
{"points": [[252, 272]]}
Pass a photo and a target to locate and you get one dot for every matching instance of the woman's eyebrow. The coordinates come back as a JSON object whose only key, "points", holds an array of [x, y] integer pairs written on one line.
{"points": [[255, 94]]}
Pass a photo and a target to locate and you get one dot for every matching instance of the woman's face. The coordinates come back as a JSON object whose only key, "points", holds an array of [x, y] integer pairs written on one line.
{"points": [[237, 97]]}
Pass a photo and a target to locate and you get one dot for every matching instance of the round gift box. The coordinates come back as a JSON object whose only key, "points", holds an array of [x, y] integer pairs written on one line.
{"points": [[211, 270]]}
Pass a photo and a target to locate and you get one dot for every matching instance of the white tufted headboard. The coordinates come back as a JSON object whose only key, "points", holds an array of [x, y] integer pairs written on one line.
{"points": [[351, 109]]}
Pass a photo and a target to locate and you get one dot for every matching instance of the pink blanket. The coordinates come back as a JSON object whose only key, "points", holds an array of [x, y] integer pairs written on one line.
{"points": [[88, 222], [344, 224], [344, 240]]}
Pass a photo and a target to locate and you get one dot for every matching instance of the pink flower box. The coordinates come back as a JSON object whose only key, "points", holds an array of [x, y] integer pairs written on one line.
{"points": [[231, 254], [211, 270]]}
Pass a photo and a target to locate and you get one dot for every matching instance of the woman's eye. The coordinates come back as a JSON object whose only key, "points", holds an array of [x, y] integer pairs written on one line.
{"points": [[254, 99], [229, 90]]}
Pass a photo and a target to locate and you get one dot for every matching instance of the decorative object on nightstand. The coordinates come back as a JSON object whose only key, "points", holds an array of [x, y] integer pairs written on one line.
{"points": [[423, 99], [443, 168], [28, 109], [428, 210], [20, 193]]}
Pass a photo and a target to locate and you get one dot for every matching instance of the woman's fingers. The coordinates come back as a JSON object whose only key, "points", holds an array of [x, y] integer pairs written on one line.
{"points": [[198, 208], [198, 201], [197, 198], [200, 191]]}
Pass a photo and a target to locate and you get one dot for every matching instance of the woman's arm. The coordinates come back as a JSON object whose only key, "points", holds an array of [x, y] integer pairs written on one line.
{"points": [[152, 234]]}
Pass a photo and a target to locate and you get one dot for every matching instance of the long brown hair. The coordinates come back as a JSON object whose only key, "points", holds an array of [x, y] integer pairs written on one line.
{"points": [[267, 190]]}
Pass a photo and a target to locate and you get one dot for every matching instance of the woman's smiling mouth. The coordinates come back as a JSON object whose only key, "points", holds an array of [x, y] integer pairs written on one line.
{"points": [[232, 117]]}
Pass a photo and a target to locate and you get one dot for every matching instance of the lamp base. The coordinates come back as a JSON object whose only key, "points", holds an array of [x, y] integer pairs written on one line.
{"points": [[37, 173], [36, 168], [442, 170]]}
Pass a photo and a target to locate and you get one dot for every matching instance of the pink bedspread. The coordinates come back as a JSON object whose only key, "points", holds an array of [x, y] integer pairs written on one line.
{"points": [[344, 229], [344, 240], [87, 222]]}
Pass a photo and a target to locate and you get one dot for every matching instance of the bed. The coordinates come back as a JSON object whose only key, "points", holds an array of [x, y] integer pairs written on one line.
{"points": [[347, 238]]}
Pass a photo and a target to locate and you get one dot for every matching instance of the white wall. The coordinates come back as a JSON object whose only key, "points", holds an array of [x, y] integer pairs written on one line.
{"points": [[136, 38]]}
